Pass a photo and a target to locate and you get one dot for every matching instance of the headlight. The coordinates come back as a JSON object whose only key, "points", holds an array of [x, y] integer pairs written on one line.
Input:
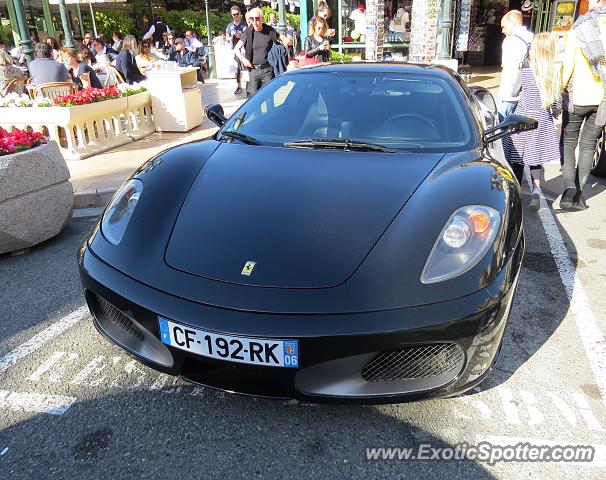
{"points": [[121, 208], [466, 237]]}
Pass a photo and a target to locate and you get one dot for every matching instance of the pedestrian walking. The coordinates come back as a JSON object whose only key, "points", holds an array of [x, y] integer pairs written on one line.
{"points": [[538, 87], [233, 33], [257, 42], [317, 46], [514, 52], [584, 116]]}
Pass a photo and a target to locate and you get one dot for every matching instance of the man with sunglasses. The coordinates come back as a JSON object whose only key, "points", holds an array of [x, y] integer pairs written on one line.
{"points": [[168, 44], [233, 33], [89, 42], [257, 42]]}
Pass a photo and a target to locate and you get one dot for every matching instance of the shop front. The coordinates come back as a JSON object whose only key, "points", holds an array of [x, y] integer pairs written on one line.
{"points": [[370, 29], [478, 36]]}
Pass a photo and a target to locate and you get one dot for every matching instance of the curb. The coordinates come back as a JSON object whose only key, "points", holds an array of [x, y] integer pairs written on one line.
{"points": [[93, 198]]}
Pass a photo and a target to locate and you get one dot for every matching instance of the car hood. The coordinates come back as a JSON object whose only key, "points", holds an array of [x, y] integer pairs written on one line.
{"points": [[306, 218]]}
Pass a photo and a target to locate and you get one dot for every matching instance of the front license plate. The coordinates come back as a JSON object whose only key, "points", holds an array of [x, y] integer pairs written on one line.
{"points": [[255, 351]]}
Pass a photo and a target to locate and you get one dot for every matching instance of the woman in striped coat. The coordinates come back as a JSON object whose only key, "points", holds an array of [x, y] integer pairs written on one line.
{"points": [[538, 85]]}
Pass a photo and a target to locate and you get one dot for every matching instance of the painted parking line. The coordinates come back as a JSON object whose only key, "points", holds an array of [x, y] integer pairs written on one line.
{"points": [[35, 402], [42, 338], [593, 339]]}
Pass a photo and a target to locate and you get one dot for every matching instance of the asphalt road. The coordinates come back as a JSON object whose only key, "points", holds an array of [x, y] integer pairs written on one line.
{"points": [[74, 406]]}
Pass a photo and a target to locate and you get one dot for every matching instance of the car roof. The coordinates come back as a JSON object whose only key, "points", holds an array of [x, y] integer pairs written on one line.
{"points": [[375, 67]]}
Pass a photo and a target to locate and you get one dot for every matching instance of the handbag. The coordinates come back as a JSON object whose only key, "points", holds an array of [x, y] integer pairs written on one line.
{"points": [[304, 60]]}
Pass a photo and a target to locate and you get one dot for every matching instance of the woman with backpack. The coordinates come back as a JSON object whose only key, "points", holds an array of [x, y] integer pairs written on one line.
{"points": [[538, 86]]}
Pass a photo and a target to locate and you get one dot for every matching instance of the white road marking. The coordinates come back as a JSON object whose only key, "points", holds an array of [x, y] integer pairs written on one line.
{"points": [[35, 402], [4, 450], [46, 366], [599, 459], [587, 325], [41, 338]]}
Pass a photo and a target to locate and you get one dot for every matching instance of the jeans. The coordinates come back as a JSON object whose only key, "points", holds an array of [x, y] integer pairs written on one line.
{"points": [[573, 175], [258, 77], [505, 108]]}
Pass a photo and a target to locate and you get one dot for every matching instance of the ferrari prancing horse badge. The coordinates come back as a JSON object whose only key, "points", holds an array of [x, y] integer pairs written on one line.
{"points": [[248, 268]]}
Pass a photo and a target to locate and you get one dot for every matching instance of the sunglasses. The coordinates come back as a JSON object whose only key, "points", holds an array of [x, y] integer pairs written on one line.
{"points": [[256, 18], [235, 14]]}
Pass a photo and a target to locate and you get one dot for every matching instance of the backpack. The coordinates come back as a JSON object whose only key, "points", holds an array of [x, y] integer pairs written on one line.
{"points": [[526, 59]]}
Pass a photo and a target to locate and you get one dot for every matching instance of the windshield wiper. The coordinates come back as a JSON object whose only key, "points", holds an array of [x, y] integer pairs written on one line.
{"points": [[344, 143], [240, 136]]}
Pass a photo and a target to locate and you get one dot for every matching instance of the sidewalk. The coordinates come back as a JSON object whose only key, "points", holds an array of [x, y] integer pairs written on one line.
{"points": [[95, 179]]}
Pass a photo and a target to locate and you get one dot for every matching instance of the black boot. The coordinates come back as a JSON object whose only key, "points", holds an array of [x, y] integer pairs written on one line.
{"points": [[567, 198], [578, 203]]}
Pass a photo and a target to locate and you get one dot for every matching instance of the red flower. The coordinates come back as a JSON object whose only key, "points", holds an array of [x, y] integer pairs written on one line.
{"points": [[18, 140]]}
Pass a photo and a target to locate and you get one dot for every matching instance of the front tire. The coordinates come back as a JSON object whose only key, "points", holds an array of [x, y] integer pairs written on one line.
{"points": [[598, 168]]}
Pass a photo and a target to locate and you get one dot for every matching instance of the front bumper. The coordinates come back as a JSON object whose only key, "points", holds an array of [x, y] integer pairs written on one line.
{"points": [[385, 356]]}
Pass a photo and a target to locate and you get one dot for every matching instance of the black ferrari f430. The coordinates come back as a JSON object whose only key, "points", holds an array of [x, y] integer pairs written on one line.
{"points": [[351, 233]]}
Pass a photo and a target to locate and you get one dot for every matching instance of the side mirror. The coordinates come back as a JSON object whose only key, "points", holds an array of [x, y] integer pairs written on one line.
{"points": [[215, 114], [484, 96], [511, 124]]}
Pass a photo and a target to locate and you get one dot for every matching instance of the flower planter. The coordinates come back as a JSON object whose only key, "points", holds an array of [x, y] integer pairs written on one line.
{"points": [[36, 197], [140, 120], [86, 130]]}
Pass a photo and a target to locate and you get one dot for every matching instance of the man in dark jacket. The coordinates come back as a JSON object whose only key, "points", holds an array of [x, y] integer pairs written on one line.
{"points": [[185, 58], [102, 48], [257, 42], [44, 69]]}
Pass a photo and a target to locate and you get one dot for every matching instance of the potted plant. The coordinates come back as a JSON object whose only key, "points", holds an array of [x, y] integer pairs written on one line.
{"points": [[36, 196]]}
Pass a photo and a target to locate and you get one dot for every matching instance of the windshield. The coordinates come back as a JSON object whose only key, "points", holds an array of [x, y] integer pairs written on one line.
{"points": [[402, 111]]}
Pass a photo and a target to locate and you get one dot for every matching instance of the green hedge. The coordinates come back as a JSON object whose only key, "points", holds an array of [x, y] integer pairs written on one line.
{"points": [[195, 20], [110, 21], [339, 57], [295, 20]]}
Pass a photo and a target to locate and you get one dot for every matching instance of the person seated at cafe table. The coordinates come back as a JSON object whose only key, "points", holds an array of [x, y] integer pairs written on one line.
{"points": [[8, 71], [101, 48], [167, 47], [125, 62], [185, 58], [146, 58], [44, 69], [82, 75], [84, 55]]}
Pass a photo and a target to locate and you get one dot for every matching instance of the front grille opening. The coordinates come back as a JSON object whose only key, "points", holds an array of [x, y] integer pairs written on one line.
{"points": [[118, 318], [130, 334], [414, 362]]}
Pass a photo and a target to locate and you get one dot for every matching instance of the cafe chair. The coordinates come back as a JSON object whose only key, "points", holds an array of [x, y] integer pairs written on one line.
{"points": [[53, 90]]}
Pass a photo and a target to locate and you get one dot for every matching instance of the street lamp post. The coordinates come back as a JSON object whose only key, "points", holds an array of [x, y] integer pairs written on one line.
{"points": [[282, 18], [67, 30], [211, 50], [445, 31], [23, 30]]}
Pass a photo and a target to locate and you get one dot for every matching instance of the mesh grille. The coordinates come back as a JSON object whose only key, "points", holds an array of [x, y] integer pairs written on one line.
{"points": [[118, 318], [417, 361]]}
